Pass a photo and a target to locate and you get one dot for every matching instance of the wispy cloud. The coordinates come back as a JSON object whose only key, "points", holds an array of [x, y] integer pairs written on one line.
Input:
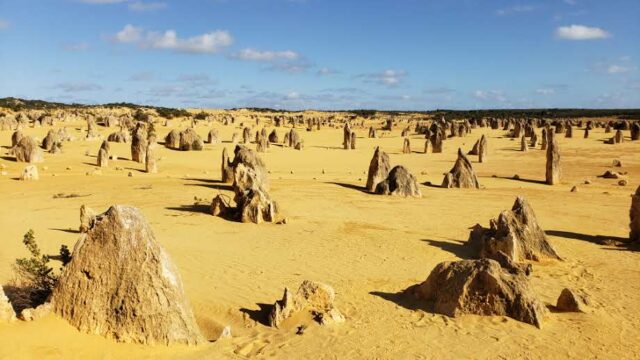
{"points": [[581, 32], [490, 95], [388, 78], [326, 71], [268, 55], [515, 9], [208, 43], [71, 87], [622, 65], [102, 1], [196, 80]]}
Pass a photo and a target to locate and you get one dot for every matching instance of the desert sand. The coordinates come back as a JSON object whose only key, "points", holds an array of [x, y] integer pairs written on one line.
{"points": [[368, 247]]}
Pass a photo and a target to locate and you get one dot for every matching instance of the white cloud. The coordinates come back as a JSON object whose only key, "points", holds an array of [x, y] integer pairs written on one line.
{"points": [[490, 95], [210, 42], [147, 6], [515, 9], [617, 69], [4, 24], [257, 55], [581, 32], [389, 78], [129, 34], [325, 71]]}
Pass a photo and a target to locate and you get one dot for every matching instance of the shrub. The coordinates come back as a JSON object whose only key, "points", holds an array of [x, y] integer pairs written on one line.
{"points": [[34, 277]]}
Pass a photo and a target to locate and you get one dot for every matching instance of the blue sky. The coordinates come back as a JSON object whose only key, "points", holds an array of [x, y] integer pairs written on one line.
{"points": [[324, 54]]}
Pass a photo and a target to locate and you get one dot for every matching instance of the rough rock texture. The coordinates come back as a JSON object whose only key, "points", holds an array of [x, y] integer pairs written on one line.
{"points": [[139, 145], [226, 168], [378, 169], [103, 154], [273, 137], [571, 301], [119, 137], [172, 140], [480, 287], [400, 182], [406, 146], [436, 142], [523, 144], [6, 310], [190, 140], [515, 233], [461, 175], [27, 150], [49, 141], [31, 314], [213, 136], [30, 172], [316, 298], [253, 203], [634, 216], [346, 136], [151, 160], [16, 137], [87, 215], [553, 170], [483, 149], [122, 285]]}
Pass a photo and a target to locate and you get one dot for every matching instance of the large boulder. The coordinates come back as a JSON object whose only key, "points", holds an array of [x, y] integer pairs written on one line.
{"points": [[461, 175], [27, 150], [516, 233], [400, 182], [121, 284], [190, 140], [378, 169], [480, 287]]}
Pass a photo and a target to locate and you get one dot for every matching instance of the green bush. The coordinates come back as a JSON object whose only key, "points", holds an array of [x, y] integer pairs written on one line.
{"points": [[34, 275]]}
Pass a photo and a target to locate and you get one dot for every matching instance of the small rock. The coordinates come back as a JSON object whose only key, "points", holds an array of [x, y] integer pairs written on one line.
{"points": [[617, 163], [30, 172], [571, 301], [516, 177], [623, 182], [587, 182], [225, 334], [574, 189], [130, 174], [68, 167]]}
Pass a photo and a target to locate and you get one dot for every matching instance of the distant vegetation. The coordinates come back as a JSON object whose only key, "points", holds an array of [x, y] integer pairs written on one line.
{"points": [[20, 104]]}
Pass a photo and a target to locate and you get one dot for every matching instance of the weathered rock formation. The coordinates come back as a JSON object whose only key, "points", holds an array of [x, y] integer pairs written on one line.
{"points": [[399, 182], [6, 310], [378, 169], [314, 298], [480, 287], [515, 233], [121, 284], [553, 170], [27, 150], [461, 175], [190, 140], [151, 165]]}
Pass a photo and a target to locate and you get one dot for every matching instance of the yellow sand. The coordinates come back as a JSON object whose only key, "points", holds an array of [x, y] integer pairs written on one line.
{"points": [[368, 247]]}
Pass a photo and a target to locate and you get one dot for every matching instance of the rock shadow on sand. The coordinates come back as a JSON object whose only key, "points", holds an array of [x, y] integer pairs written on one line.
{"points": [[617, 243], [456, 247], [261, 315]]}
